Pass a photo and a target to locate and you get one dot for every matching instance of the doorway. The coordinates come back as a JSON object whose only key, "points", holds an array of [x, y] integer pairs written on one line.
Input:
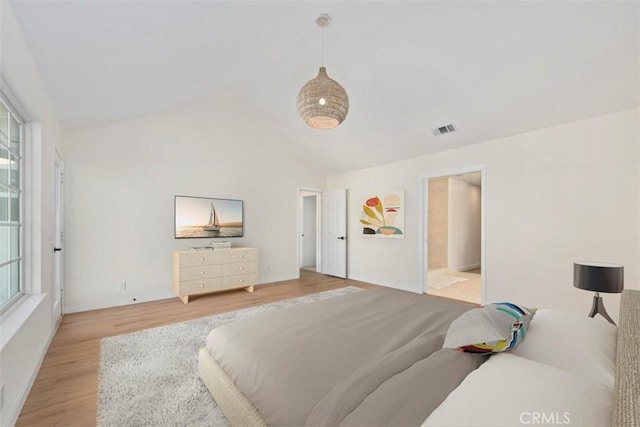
{"points": [[58, 238], [309, 230], [454, 236], [322, 231]]}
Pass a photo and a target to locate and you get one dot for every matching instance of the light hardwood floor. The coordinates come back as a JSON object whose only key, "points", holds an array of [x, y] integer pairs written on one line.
{"points": [[65, 389]]}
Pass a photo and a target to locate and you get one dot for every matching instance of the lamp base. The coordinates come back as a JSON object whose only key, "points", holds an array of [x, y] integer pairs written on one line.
{"points": [[598, 308]]}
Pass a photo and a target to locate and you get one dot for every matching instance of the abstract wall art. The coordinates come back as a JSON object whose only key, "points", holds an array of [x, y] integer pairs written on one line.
{"points": [[383, 215]]}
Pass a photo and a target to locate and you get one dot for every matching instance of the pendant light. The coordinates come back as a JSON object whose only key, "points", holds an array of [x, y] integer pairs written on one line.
{"points": [[322, 102]]}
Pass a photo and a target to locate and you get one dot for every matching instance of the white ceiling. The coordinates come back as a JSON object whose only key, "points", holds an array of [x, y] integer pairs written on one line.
{"points": [[493, 69]]}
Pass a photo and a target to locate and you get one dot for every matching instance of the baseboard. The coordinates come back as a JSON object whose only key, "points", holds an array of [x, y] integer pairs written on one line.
{"points": [[168, 295], [281, 278], [466, 267], [14, 413], [399, 286], [139, 300]]}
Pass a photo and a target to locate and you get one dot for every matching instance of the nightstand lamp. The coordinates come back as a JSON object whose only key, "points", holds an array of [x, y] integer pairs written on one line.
{"points": [[598, 277]]}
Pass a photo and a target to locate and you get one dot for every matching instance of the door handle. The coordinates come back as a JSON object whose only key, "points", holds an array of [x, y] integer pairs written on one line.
{"points": [[341, 238], [57, 249]]}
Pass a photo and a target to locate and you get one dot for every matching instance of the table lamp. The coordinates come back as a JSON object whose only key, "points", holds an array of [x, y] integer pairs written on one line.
{"points": [[598, 277]]}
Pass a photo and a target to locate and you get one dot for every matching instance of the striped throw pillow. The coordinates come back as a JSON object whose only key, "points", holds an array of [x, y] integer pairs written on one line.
{"points": [[493, 328]]}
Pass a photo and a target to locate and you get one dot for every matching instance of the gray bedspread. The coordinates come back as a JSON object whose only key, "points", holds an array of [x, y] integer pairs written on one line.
{"points": [[368, 358]]}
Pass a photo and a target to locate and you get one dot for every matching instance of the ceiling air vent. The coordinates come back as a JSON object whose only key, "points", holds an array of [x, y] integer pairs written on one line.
{"points": [[443, 129]]}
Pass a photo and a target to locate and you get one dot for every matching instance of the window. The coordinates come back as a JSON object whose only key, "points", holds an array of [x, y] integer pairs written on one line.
{"points": [[11, 145]]}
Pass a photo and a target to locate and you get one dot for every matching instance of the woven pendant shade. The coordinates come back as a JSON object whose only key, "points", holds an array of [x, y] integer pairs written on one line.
{"points": [[322, 102]]}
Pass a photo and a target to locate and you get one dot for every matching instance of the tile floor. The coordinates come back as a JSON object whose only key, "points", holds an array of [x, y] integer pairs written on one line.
{"points": [[470, 290]]}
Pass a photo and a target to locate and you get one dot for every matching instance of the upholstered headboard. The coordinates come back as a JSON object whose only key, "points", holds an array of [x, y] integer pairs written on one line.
{"points": [[626, 403]]}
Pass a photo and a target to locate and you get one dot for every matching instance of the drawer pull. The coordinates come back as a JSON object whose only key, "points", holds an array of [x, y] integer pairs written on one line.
{"points": [[241, 280], [202, 259], [202, 286], [241, 268], [202, 272]]}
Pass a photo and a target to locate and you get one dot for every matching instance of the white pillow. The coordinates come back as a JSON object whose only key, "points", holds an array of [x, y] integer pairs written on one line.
{"points": [[579, 344], [508, 390]]}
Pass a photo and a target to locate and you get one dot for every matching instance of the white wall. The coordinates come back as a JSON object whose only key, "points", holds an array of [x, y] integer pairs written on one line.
{"points": [[463, 226], [120, 183], [309, 230], [26, 331], [553, 196]]}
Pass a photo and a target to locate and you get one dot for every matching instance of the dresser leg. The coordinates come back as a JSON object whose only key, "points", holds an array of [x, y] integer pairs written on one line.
{"points": [[249, 288], [185, 299]]}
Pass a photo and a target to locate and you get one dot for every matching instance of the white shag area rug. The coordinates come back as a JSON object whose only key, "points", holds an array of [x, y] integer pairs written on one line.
{"points": [[443, 280], [150, 377]]}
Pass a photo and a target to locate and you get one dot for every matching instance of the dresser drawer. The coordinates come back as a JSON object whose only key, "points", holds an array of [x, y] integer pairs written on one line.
{"points": [[200, 286], [239, 280], [240, 255], [239, 268], [202, 272], [195, 258]]}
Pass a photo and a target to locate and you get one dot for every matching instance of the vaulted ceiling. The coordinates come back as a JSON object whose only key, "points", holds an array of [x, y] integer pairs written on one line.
{"points": [[492, 69]]}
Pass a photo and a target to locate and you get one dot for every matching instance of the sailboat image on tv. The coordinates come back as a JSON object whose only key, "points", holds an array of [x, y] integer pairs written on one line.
{"points": [[207, 217], [214, 221]]}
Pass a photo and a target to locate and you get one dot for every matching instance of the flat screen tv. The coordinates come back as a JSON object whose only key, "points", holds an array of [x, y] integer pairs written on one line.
{"points": [[205, 217]]}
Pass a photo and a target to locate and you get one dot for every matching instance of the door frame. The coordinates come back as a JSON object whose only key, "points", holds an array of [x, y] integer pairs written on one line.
{"points": [[58, 227], [307, 192], [423, 243]]}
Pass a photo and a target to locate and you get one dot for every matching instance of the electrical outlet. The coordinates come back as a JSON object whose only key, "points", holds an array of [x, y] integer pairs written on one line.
{"points": [[122, 286]]}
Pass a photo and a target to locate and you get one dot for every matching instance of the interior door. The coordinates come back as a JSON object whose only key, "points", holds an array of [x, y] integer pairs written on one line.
{"points": [[334, 233], [58, 239]]}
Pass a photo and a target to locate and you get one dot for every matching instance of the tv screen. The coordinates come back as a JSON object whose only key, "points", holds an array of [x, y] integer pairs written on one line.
{"points": [[196, 217]]}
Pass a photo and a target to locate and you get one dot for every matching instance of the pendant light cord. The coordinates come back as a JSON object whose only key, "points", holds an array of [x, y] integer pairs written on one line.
{"points": [[322, 54], [323, 22]]}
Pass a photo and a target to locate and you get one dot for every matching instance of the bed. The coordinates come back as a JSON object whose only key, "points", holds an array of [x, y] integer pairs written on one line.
{"points": [[375, 357]]}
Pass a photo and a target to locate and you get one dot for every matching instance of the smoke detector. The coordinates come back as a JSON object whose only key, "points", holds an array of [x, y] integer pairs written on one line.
{"points": [[443, 129]]}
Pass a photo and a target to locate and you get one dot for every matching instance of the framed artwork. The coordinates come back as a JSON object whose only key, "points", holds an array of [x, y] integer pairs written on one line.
{"points": [[383, 216]]}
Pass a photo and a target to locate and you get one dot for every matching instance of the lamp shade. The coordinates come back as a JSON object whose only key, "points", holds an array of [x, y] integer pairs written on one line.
{"points": [[322, 102], [598, 276]]}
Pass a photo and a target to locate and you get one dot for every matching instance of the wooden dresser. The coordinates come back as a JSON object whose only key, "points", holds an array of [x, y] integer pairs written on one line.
{"points": [[204, 271]]}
